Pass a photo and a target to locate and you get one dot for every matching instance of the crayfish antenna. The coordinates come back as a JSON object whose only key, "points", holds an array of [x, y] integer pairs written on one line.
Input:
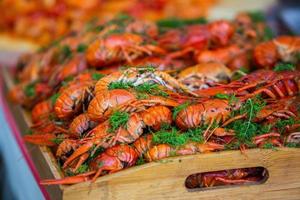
{"points": [[69, 180], [41, 139]]}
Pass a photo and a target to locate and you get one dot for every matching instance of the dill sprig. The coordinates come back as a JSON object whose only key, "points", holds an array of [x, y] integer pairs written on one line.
{"points": [[81, 48], [82, 169], [118, 119], [195, 135], [178, 23], [172, 137], [59, 139], [257, 16], [140, 161], [54, 97], [282, 124], [120, 85], [97, 76], [29, 90], [151, 88], [179, 108], [284, 67]]}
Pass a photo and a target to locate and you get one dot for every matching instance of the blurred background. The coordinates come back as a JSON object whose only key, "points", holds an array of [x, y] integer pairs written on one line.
{"points": [[27, 25]]}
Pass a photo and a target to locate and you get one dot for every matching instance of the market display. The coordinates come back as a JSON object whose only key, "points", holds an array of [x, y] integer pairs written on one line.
{"points": [[127, 92], [54, 18]]}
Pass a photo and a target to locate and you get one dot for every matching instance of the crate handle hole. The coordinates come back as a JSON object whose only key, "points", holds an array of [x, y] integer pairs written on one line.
{"points": [[226, 178]]}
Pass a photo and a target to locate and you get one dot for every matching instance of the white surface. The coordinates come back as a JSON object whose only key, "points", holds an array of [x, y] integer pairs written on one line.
{"points": [[228, 8]]}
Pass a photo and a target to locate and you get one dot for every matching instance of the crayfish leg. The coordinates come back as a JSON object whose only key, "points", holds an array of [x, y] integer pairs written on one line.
{"points": [[68, 180], [78, 152]]}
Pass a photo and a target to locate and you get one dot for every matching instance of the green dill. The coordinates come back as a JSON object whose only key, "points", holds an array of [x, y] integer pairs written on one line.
{"points": [[177, 23], [222, 96], [244, 130], [150, 88], [97, 76], [95, 152], [69, 172], [54, 97], [59, 139], [67, 80], [120, 85], [284, 67], [29, 132], [239, 73], [146, 69], [91, 24], [257, 16], [64, 52], [142, 96], [178, 109], [140, 161], [269, 146], [81, 48], [82, 169], [282, 124], [30, 90], [292, 145], [195, 135], [252, 106], [172, 137], [118, 119], [165, 126], [264, 129], [268, 34]]}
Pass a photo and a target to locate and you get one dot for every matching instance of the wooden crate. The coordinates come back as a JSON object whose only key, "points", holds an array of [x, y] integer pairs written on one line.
{"points": [[165, 179]]}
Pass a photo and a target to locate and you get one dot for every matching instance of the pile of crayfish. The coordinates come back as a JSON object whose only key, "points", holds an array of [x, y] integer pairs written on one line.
{"points": [[128, 92]]}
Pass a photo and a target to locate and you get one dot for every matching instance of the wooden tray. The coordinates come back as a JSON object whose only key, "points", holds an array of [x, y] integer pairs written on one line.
{"points": [[165, 179]]}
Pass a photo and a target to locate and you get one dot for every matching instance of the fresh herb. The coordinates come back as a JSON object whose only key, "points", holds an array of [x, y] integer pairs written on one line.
{"points": [[118, 119], [65, 52], [244, 130], [269, 146], [82, 169], [142, 96], [177, 23], [67, 80], [179, 108], [172, 137], [292, 145], [97, 76], [240, 73], [268, 34], [165, 126], [81, 48], [146, 69], [120, 85], [257, 16], [195, 135], [282, 124], [140, 161], [30, 90], [53, 98], [68, 172], [91, 25], [29, 132], [252, 106], [59, 139], [222, 96], [284, 67], [151, 88]]}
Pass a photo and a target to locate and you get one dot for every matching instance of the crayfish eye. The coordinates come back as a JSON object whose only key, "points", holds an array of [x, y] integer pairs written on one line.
{"points": [[213, 110]]}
